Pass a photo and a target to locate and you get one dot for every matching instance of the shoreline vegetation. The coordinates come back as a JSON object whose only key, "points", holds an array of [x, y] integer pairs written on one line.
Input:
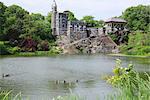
{"points": [[127, 55], [51, 53]]}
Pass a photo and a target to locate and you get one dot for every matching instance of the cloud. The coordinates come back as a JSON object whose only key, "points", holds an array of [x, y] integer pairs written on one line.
{"points": [[101, 9]]}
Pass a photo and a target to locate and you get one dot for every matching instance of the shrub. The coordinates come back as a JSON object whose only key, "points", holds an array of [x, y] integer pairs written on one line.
{"points": [[13, 50], [43, 46], [3, 49], [138, 44], [131, 85]]}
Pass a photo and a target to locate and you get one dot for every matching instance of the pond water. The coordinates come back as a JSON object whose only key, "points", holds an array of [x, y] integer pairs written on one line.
{"points": [[42, 78]]}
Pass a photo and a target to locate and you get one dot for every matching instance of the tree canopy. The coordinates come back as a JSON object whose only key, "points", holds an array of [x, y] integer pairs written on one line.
{"points": [[2, 17], [30, 32], [17, 23], [71, 16], [138, 17], [91, 22]]}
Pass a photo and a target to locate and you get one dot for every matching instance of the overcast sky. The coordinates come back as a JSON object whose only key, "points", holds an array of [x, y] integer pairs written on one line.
{"points": [[100, 9]]}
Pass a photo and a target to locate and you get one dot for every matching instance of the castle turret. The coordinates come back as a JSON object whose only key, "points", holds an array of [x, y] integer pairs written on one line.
{"points": [[53, 18]]}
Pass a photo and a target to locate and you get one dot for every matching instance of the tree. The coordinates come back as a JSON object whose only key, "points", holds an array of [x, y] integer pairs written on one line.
{"points": [[48, 17], [138, 17], [71, 16], [91, 22], [2, 19], [13, 26], [37, 26], [101, 23]]}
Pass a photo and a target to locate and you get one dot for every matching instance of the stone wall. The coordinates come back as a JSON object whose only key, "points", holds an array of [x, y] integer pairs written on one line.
{"points": [[76, 30]]}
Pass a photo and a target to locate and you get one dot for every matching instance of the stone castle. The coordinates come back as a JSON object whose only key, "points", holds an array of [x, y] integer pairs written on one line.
{"points": [[62, 26], [79, 36]]}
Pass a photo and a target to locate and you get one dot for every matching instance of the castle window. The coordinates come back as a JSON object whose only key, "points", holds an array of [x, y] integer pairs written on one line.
{"points": [[63, 25], [81, 28]]}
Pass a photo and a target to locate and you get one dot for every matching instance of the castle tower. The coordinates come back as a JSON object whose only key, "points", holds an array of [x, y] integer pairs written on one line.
{"points": [[53, 18]]}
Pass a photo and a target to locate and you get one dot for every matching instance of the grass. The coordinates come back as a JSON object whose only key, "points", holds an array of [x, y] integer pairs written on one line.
{"points": [[54, 51], [4, 95], [127, 55], [37, 53]]}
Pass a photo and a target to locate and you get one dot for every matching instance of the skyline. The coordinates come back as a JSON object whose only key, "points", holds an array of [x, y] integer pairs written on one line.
{"points": [[100, 9]]}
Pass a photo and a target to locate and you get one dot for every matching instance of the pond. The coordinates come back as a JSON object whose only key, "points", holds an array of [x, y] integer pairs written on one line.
{"points": [[42, 78]]}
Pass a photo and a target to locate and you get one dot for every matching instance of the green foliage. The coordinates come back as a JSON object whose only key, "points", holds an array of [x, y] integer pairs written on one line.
{"points": [[2, 18], [119, 37], [43, 46], [4, 95], [18, 25], [13, 26], [48, 17], [56, 50], [3, 49], [138, 17], [131, 85], [91, 22], [71, 16], [37, 26], [14, 50], [6, 49], [120, 73], [138, 44], [38, 53]]}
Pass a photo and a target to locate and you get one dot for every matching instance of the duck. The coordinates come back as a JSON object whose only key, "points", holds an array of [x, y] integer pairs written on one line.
{"points": [[5, 75], [64, 81], [77, 81]]}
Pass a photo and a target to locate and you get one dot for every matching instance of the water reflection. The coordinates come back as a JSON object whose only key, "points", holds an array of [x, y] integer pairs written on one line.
{"points": [[36, 77]]}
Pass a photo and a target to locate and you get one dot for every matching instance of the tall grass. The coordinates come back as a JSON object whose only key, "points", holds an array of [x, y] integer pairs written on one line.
{"points": [[4, 95], [135, 88]]}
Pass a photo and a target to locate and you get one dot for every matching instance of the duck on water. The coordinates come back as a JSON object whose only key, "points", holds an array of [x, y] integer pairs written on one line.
{"points": [[5, 75]]}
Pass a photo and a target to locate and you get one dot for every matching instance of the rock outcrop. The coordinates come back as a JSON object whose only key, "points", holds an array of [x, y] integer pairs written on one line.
{"points": [[93, 44]]}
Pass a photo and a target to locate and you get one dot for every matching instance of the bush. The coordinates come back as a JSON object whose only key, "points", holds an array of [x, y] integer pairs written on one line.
{"points": [[14, 50], [138, 44], [56, 50], [131, 85], [3, 49], [43, 46]]}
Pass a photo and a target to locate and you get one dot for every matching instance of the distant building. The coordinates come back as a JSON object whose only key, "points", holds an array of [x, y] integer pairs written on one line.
{"points": [[60, 25], [115, 24], [76, 30], [76, 37]]}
